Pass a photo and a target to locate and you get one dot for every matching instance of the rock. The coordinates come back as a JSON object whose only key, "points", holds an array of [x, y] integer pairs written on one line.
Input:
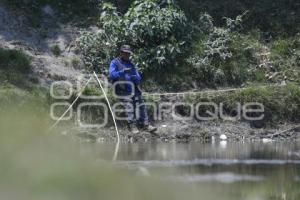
{"points": [[258, 124], [223, 137], [267, 140]]}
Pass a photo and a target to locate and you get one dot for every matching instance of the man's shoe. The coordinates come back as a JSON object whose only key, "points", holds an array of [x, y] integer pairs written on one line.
{"points": [[150, 128], [133, 129]]}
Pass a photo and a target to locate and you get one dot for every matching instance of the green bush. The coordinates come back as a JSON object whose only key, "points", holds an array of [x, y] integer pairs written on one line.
{"points": [[14, 60], [225, 56], [159, 34], [56, 50], [281, 47], [285, 56], [14, 66]]}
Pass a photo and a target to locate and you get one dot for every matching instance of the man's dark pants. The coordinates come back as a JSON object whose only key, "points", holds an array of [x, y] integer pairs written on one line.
{"points": [[135, 109]]}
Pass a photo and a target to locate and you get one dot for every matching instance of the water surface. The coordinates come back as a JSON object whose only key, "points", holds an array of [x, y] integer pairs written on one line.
{"points": [[221, 170]]}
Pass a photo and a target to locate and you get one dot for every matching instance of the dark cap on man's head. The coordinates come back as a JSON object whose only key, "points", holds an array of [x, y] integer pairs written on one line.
{"points": [[126, 49]]}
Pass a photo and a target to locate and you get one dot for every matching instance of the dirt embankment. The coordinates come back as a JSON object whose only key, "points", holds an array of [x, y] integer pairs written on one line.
{"points": [[49, 44], [193, 131], [172, 128]]}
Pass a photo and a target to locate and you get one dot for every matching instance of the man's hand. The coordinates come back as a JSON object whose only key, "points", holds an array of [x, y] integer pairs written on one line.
{"points": [[124, 71]]}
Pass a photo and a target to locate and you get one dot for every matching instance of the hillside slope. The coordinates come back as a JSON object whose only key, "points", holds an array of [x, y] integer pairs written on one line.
{"points": [[47, 45]]}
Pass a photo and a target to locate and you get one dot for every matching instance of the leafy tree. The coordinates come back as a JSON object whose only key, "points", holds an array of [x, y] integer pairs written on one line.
{"points": [[159, 33]]}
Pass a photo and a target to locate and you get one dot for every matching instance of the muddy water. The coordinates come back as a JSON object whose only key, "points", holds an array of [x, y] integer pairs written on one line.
{"points": [[229, 170]]}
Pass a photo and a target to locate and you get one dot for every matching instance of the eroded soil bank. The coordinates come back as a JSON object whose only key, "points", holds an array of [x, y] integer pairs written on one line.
{"points": [[193, 131], [280, 122]]}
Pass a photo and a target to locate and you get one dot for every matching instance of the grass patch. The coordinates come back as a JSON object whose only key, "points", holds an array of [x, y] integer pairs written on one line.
{"points": [[16, 85], [281, 103], [14, 60], [285, 56], [56, 50], [15, 67], [281, 47], [16, 98]]}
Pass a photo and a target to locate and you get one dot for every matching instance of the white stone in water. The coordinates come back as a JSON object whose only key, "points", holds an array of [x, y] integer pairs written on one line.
{"points": [[267, 140], [223, 137]]}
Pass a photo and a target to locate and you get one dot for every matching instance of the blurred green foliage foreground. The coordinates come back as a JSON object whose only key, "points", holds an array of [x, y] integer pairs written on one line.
{"points": [[38, 165]]}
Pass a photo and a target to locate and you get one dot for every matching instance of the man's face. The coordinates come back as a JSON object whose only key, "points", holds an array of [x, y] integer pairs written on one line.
{"points": [[125, 56]]}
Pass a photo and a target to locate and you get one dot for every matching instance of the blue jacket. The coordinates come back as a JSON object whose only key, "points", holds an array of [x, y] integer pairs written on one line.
{"points": [[116, 74]]}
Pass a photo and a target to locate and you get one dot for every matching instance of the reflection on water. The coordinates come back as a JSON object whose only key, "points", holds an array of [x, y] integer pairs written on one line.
{"points": [[280, 151], [265, 170], [225, 177]]}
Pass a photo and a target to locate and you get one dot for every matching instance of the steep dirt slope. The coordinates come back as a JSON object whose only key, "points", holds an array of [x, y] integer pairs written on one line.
{"points": [[49, 45]]}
